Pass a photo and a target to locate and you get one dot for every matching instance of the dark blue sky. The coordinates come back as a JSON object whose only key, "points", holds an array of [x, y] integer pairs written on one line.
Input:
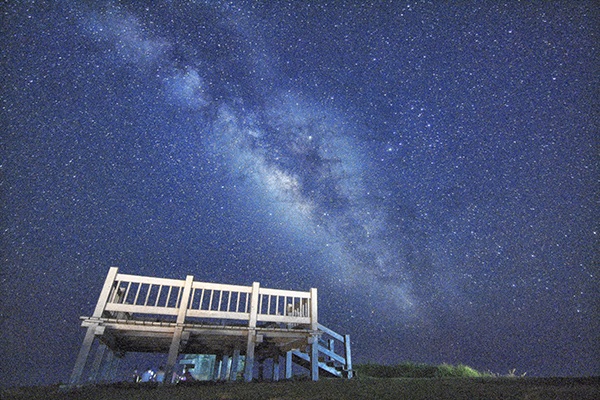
{"points": [[431, 168]]}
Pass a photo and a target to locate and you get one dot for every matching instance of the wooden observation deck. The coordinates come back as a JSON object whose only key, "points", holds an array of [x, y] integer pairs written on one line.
{"points": [[157, 315]]}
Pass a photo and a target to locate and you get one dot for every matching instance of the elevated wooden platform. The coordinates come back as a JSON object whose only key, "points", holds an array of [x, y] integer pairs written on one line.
{"points": [[157, 315]]}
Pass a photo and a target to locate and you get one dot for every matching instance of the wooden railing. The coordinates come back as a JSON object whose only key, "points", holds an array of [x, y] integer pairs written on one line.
{"points": [[130, 296]]}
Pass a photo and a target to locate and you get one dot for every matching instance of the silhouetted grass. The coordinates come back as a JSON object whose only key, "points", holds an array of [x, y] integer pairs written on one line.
{"points": [[415, 370]]}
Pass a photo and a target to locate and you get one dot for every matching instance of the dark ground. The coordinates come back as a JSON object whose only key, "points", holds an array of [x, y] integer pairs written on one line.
{"points": [[363, 388]]}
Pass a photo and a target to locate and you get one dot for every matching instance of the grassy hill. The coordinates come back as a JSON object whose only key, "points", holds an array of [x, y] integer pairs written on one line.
{"points": [[404, 381], [335, 389]]}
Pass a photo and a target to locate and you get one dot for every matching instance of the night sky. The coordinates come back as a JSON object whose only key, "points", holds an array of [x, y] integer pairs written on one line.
{"points": [[431, 168]]}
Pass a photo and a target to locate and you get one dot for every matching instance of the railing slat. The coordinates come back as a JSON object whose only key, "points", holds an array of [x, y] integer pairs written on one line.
{"points": [[158, 296], [148, 294], [137, 293]]}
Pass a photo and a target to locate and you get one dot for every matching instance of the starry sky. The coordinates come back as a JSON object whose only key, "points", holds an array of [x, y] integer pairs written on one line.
{"points": [[431, 167]]}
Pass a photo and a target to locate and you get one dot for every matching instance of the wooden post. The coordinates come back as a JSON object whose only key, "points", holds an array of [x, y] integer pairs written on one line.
{"points": [[91, 331], [88, 340], [97, 362], [216, 373], [225, 368], [314, 357], [276, 368], [109, 370], [249, 364], [348, 356], [314, 310], [176, 341], [314, 344], [288, 364], [103, 298], [234, 365]]}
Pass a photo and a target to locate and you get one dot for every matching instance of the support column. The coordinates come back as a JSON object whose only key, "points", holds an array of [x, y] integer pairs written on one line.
{"points": [[177, 333], [109, 371], [234, 365], [97, 362], [217, 368], [276, 368], [83, 355], [288, 364], [173, 352], [225, 367], [91, 331], [348, 356], [314, 358], [249, 364], [314, 339]]}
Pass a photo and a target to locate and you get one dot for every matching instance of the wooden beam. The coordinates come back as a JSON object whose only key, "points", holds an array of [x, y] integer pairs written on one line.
{"points": [[103, 299], [173, 352], [348, 356], [314, 358], [249, 364], [97, 362], [288, 364], [185, 299], [276, 368], [314, 310], [82, 356], [254, 295], [234, 364]]}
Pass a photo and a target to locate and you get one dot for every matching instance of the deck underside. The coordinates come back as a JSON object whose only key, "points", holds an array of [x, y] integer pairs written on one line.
{"points": [[127, 335]]}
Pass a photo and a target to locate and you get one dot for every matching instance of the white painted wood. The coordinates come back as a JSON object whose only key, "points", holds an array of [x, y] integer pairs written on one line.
{"points": [[88, 340], [288, 364], [130, 308], [249, 361], [281, 292], [222, 286], [150, 280], [106, 289], [218, 314], [348, 356], [314, 359], [285, 319], [185, 298], [254, 304], [314, 309], [331, 333], [99, 356]]}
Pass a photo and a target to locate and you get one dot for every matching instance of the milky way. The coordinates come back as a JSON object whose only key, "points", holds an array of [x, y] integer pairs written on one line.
{"points": [[432, 169]]}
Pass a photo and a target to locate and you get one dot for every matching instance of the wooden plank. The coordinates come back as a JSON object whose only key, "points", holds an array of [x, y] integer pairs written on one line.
{"points": [[222, 286], [288, 293], [150, 280], [218, 314], [332, 354], [283, 319], [130, 308]]}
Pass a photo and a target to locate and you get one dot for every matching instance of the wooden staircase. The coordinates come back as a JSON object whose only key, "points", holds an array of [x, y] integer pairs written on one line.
{"points": [[334, 361]]}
